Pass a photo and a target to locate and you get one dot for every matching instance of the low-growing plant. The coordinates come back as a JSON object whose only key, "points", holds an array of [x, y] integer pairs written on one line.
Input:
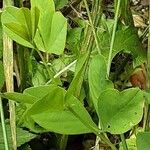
{"points": [[65, 73]]}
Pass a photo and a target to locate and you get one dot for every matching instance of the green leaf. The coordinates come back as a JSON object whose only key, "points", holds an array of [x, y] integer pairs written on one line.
{"points": [[53, 109], [35, 14], [143, 141], [37, 9], [56, 112], [131, 143], [62, 116], [40, 26], [2, 79], [147, 96], [76, 84], [60, 3], [46, 5], [77, 108], [19, 97], [17, 24], [74, 39], [120, 111], [126, 40], [58, 34], [52, 30], [40, 77], [22, 137], [40, 91], [97, 76]]}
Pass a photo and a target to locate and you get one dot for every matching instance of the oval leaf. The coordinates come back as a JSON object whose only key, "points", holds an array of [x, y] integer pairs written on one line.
{"points": [[17, 24], [120, 111], [143, 141], [98, 81], [58, 113]]}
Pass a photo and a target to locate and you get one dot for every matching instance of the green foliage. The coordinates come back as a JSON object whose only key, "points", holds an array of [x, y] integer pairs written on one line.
{"points": [[17, 24], [40, 76], [22, 137], [74, 40], [126, 40], [75, 86], [53, 110], [147, 97], [131, 142], [143, 140], [98, 80], [120, 111], [51, 35], [40, 28], [60, 3], [19, 97]]}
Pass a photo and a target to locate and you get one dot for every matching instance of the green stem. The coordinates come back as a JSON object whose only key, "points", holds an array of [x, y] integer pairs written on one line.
{"points": [[145, 119], [63, 142], [95, 130], [110, 55], [106, 140], [124, 144], [92, 25], [147, 110], [62, 71], [113, 37], [44, 63], [4, 126]]}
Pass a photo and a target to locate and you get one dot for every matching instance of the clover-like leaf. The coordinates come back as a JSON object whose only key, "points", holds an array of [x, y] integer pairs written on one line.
{"points": [[120, 111], [17, 24]]}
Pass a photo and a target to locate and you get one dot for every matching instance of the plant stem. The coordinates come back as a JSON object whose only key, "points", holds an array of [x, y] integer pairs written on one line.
{"points": [[147, 110], [109, 58], [8, 71], [62, 71], [96, 15], [4, 126], [102, 136], [124, 144], [63, 142], [113, 37], [145, 117], [92, 25], [44, 63], [97, 145]]}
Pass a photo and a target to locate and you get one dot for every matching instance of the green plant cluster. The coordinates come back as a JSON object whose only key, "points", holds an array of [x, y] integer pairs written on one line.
{"points": [[51, 106]]}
